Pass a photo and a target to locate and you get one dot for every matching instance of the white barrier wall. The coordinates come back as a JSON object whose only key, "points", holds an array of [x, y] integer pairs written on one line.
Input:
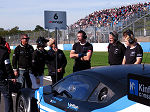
{"points": [[103, 47], [60, 46], [100, 46]]}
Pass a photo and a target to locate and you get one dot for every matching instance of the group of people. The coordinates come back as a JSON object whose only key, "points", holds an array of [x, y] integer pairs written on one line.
{"points": [[110, 17], [119, 54], [28, 64]]}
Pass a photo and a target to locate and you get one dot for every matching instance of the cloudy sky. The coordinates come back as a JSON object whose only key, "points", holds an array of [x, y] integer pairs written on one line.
{"points": [[26, 14]]}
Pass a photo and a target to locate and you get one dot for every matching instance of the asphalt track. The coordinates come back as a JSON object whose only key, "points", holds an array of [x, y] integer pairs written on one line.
{"points": [[47, 81]]}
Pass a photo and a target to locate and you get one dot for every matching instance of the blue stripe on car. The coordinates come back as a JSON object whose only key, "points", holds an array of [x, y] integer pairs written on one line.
{"points": [[119, 105], [42, 102]]}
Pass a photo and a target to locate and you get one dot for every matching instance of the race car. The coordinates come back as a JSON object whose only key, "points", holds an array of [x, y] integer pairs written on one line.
{"points": [[100, 89]]}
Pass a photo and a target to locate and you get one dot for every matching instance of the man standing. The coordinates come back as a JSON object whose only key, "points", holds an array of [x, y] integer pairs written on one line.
{"points": [[116, 49], [22, 61], [6, 72], [51, 63], [81, 52]]}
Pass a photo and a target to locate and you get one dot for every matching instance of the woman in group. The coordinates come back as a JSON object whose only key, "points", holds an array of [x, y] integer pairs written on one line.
{"points": [[134, 52]]}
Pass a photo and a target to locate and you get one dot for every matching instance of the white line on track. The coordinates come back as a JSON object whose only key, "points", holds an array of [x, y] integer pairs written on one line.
{"points": [[12, 94]]}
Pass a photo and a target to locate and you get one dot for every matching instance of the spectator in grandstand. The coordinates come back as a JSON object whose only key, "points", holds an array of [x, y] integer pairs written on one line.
{"points": [[38, 63], [6, 72], [81, 52], [51, 62], [116, 49], [110, 17], [134, 52], [22, 61]]}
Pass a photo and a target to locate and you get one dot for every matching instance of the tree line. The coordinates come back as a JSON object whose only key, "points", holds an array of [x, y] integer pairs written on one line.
{"points": [[15, 31]]}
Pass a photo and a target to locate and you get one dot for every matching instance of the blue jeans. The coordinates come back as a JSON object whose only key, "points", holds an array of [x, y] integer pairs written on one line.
{"points": [[7, 96], [24, 79]]}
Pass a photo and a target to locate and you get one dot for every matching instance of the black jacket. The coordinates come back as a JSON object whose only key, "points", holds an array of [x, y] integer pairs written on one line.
{"points": [[38, 62], [51, 61], [6, 70], [22, 57]]}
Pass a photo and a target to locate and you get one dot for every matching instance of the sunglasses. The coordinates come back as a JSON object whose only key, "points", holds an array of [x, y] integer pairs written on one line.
{"points": [[26, 38]]}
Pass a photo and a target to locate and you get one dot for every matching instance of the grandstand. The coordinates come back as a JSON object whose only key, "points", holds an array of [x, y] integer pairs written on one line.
{"points": [[134, 16]]}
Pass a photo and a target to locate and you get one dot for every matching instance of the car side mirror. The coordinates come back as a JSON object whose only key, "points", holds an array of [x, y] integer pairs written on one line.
{"points": [[47, 90], [66, 93]]}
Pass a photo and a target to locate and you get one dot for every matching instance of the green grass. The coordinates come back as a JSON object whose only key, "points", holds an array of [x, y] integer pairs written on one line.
{"points": [[98, 59]]}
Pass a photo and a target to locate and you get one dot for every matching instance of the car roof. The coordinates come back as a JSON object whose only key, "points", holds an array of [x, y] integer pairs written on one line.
{"points": [[116, 72], [115, 76]]}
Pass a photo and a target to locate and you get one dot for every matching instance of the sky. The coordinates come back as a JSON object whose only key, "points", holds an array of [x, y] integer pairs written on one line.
{"points": [[26, 14]]}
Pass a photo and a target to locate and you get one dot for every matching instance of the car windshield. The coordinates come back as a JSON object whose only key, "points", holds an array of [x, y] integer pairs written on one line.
{"points": [[79, 86]]}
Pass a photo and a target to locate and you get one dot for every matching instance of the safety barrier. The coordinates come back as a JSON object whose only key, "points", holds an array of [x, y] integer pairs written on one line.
{"points": [[102, 47]]}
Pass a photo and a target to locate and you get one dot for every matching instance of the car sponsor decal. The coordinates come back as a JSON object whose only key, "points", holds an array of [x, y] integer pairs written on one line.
{"points": [[55, 99], [52, 101], [139, 88], [73, 107]]}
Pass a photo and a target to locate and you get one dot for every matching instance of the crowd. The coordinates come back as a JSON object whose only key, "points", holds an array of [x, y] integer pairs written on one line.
{"points": [[110, 17], [28, 64]]}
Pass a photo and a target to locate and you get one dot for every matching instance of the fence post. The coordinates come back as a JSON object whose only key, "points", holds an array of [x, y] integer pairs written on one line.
{"points": [[144, 26], [133, 27], [95, 33]]}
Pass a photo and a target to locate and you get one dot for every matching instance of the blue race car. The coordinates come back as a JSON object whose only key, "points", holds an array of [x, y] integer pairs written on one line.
{"points": [[101, 89]]}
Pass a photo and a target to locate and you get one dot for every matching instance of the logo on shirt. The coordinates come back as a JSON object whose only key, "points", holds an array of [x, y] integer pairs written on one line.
{"points": [[139, 55], [116, 51], [85, 49], [132, 53]]}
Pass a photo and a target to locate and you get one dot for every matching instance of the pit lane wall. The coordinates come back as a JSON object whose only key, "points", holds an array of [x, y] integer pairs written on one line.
{"points": [[102, 47]]}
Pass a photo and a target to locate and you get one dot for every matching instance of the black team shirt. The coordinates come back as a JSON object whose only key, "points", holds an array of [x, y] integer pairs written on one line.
{"points": [[116, 53], [132, 53], [78, 48]]}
